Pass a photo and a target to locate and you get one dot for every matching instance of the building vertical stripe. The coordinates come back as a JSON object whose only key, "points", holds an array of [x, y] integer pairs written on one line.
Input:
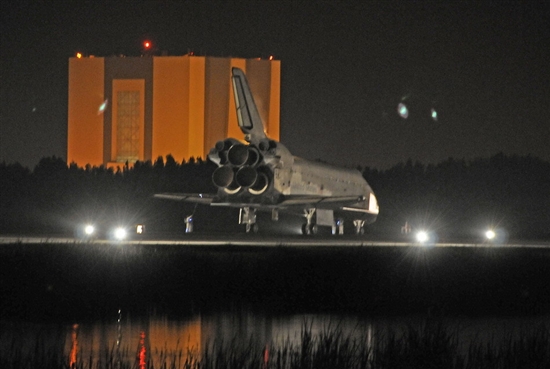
{"points": [[216, 101], [275, 100], [85, 119], [196, 106], [168, 134]]}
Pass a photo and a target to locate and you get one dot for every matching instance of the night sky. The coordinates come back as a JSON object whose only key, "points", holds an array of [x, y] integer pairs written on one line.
{"points": [[483, 65]]}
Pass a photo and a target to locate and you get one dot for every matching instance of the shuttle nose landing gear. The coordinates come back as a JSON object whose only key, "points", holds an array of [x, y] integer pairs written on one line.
{"points": [[338, 227], [247, 216], [189, 221], [189, 224]]}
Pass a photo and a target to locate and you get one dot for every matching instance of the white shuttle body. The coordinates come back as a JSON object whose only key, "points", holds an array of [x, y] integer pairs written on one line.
{"points": [[262, 175]]}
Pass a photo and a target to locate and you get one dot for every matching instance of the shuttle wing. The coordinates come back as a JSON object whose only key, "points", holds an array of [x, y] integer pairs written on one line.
{"points": [[321, 202], [301, 201], [199, 198]]}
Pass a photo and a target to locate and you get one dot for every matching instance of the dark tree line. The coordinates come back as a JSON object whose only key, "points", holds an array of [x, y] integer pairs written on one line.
{"points": [[459, 197], [454, 197], [56, 198]]}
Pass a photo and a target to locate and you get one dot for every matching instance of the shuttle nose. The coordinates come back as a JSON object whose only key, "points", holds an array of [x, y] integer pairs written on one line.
{"points": [[373, 204]]}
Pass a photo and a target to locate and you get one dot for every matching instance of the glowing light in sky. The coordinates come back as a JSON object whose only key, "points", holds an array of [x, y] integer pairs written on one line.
{"points": [[434, 114], [402, 110], [102, 107]]}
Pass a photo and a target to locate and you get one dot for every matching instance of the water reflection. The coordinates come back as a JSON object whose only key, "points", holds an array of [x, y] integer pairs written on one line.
{"points": [[158, 340], [158, 337], [128, 340], [73, 354], [142, 351]]}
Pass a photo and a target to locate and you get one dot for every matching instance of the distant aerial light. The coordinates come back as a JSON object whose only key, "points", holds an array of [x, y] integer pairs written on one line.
{"points": [[79, 55], [147, 44], [402, 110], [434, 114], [102, 107]]}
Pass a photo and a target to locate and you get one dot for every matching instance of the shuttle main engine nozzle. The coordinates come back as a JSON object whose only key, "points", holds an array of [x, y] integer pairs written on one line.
{"points": [[260, 185], [246, 176], [238, 155], [218, 154], [254, 156], [256, 180], [240, 166], [223, 176]]}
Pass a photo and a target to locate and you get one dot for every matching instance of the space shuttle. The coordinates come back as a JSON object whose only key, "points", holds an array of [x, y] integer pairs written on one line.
{"points": [[260, 174]]}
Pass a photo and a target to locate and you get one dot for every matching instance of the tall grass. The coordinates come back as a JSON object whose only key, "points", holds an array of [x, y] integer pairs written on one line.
{"points": [[430, 345]]}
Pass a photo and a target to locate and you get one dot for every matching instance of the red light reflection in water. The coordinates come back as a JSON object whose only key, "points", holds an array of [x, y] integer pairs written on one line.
{"points": [[142, 351], [73, 355], [266, 356]]}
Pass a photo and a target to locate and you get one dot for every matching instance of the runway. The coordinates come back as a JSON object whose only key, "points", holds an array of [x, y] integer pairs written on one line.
{"points": [[249, 240]]}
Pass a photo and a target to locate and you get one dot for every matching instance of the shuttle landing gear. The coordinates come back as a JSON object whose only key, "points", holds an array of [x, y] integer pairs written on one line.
{"points": [[247, 216], [359, 226], [338, 227], [189, 224], [189, 221], [309, 227]]}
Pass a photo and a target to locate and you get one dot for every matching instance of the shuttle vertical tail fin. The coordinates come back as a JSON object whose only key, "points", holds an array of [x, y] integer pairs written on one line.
{"points": [[247, 113]]}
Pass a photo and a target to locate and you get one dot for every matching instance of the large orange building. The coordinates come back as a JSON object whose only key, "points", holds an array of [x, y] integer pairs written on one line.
{"points": [[124, 109]]}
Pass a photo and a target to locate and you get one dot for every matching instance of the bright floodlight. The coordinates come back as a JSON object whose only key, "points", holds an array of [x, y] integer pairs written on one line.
{"points": [[402, 110], [120, 233], [89, 229], [490, 234], [422, 236]]}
